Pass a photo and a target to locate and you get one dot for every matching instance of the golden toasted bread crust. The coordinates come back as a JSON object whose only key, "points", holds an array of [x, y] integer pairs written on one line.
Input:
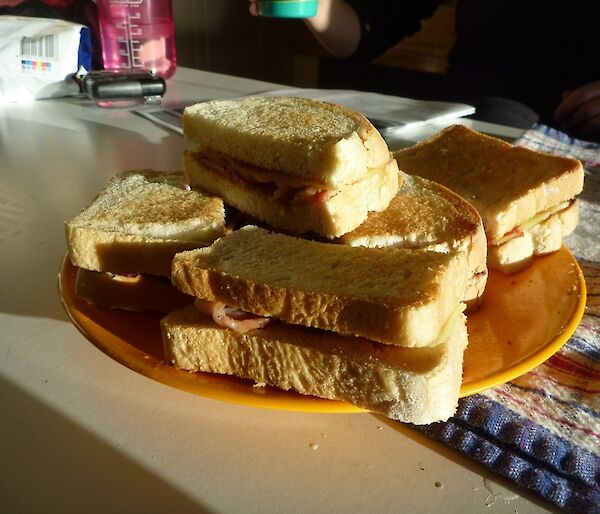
{"points": [[507, 184], [389, 295], [424, 214], [416, 385], [343, 211], [319, 141], [139, 220]]}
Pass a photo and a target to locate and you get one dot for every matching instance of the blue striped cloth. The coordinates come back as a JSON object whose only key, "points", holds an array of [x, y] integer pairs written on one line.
{"points": [[542, 430]]}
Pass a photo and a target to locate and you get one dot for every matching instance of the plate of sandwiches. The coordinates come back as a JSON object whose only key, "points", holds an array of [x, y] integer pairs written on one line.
{"points": [[297, 263]]}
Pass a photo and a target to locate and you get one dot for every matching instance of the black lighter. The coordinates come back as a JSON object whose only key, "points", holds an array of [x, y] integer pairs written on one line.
{"points": [[117, 85]]}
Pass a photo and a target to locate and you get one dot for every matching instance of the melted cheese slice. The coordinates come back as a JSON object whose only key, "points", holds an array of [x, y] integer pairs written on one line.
{"points": [[538, 218]]}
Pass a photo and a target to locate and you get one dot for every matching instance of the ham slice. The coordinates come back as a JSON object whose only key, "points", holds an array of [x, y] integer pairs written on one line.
{"points": [[509, 236], [228, 317], [271, 183]]}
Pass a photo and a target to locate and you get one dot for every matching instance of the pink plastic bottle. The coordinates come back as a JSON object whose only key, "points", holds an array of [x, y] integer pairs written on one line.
{"points": [[138, 34]]}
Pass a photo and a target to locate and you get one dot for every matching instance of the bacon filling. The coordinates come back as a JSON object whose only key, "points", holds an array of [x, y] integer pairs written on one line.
{"points": [[228, 317], [264, 180]]}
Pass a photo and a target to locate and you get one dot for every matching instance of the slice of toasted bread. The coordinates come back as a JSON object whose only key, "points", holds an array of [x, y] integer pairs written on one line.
{"points": [[395, 296], [542, 238], [321, 142], [416, 385], [507, 184], [139, 221], [343, 210], [427, 215]]}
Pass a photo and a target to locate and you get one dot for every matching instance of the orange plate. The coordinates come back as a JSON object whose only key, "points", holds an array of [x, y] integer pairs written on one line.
{"points": [[524, 319]]}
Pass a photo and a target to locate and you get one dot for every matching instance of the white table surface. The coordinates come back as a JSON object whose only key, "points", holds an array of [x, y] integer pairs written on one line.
{"points": [[82, 433]]}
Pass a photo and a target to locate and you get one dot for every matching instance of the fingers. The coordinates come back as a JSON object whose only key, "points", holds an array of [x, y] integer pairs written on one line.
{"points": [[582, 117], [579, 111], [253, 6], [590, 130], [573, 99]]}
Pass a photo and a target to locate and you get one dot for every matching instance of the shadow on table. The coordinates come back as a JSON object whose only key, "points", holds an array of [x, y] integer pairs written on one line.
{"points": [[35, 202], [52, 465]]}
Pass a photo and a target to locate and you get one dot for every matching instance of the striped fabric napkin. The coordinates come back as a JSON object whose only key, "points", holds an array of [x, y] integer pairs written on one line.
{"points": [[542, 430]]}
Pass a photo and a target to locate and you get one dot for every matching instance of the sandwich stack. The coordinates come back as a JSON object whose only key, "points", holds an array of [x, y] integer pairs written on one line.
{"points": [[338, 275], [382, 328], [295, 164]]}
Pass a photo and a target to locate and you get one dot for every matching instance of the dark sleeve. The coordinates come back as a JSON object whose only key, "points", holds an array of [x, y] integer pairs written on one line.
{"points": [[383, 23]]}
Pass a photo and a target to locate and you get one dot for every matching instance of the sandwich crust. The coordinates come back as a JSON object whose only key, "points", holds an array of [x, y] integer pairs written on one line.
{"points": [[389, 295], [507, 184], [139, 220], [317, 141], [416, 385]]}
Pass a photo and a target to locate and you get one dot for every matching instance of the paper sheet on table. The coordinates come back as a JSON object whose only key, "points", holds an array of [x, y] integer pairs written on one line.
{"points": [[392, 115], [388, 113]]}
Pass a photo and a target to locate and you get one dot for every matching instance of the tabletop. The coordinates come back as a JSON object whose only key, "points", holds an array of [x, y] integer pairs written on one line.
{"points": [[82, 433]]}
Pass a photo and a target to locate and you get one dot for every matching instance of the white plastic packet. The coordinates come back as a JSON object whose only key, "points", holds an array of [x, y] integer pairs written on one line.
{"points": [[37, 55]]}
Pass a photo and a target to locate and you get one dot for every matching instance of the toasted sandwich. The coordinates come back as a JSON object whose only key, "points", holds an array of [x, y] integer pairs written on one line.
{"points": [[413, 385], [380, 328], [527, 199], [427, 215], [124, 241], [297, 165]]}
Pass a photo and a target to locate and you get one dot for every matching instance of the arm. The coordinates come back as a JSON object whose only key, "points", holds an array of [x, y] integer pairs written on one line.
{"points": [[336, 26], [365, 28]]}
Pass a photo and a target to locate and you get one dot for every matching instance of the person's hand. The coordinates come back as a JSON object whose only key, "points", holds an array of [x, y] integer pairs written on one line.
{"points": [[578, 113], [253, 6]]}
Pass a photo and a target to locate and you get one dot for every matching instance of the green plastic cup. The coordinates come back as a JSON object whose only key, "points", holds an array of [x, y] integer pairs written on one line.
{"points": [[287, 8]]}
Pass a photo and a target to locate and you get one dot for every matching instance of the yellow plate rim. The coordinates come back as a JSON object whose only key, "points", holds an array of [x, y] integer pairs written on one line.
{"points": [[545, 352]]}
